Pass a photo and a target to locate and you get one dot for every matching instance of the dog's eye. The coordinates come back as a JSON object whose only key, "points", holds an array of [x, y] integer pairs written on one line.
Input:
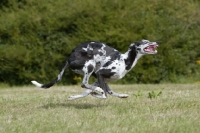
{"points": [[138, 48]]}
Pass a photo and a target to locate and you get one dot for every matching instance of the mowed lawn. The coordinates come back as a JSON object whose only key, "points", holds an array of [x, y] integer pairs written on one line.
{"points": [[174, 108]]}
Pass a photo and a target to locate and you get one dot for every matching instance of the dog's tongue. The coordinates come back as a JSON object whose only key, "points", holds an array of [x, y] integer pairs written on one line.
{"points": [[150, 48], [147, 50]]}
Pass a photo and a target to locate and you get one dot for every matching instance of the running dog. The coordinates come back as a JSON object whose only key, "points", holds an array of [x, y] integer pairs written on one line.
{"points": [[103, 62]]}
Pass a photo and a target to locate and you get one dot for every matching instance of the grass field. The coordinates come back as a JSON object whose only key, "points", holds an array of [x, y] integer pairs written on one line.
{"points": [[32, 110]]}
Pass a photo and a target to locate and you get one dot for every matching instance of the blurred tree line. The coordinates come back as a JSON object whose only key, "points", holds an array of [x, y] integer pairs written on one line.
{"points": [[37, 36]]}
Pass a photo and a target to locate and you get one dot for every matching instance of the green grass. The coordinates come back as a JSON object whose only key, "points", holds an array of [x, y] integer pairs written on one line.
{"points": [[31, 110]]}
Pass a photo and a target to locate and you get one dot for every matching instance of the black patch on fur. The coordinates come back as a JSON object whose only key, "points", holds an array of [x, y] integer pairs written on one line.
{"points": [[77, 64], [113, 67], [50, 84], [138, 43], [90, 68], [138, 48], [107, 63], [100, 53], [83, 86], [131, 57], [101, 82], [79, 56], [106, 73]]}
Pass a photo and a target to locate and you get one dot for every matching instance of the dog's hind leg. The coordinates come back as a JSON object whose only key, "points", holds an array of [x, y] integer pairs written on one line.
{"points": [[88, 70], [112, 93], [86, 93]]}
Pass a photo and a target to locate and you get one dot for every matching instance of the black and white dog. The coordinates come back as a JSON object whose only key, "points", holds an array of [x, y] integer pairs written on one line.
{"points": [[105, 63]]}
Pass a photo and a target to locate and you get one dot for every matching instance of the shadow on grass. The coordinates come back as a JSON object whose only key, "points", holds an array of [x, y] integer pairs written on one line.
{"points": [[72, 105]]}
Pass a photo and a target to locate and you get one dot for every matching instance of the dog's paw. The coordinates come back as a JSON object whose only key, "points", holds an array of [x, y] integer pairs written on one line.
{"points": [[102, 96], [123, 96], [98, 90]]}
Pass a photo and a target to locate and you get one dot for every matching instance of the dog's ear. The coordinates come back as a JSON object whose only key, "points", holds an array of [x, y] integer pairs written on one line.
{"points": [[138, 43], [132, 45]]}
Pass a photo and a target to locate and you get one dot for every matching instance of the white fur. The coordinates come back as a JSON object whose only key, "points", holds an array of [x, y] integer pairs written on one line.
{"points": [[36, 84]]}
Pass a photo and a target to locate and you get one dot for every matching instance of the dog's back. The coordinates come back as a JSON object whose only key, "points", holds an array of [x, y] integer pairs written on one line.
{"points": [[98, 52]]}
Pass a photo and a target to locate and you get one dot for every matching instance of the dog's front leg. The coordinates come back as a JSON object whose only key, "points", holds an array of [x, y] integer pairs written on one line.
{"points": [[112, 93], [94, 94], [101, 83]]}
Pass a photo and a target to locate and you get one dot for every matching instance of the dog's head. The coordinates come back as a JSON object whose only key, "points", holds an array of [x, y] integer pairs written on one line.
{"points": [[146, 47]]}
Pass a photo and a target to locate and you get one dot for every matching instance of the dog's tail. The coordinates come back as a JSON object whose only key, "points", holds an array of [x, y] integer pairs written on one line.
{"points": [[58, 78]]}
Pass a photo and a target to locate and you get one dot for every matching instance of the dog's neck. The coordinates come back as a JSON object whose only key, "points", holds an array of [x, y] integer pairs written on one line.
{"points": [[131, 57]]}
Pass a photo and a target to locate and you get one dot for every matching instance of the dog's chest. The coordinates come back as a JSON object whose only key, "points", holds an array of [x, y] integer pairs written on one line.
{"points": [[111, 64], [117, 70]]}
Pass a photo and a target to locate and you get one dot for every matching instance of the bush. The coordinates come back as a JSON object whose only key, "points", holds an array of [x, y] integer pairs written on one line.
{"points": [[38, 36]]}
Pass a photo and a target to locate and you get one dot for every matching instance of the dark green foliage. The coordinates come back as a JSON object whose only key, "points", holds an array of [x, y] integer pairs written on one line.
{"points": [[36, 37]]}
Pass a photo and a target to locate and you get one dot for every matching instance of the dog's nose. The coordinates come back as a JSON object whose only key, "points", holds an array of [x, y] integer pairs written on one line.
{"points": [[158, 42]]}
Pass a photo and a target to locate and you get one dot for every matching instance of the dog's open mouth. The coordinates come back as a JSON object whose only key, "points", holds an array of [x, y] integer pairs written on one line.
{"points": [[151, 49]]}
